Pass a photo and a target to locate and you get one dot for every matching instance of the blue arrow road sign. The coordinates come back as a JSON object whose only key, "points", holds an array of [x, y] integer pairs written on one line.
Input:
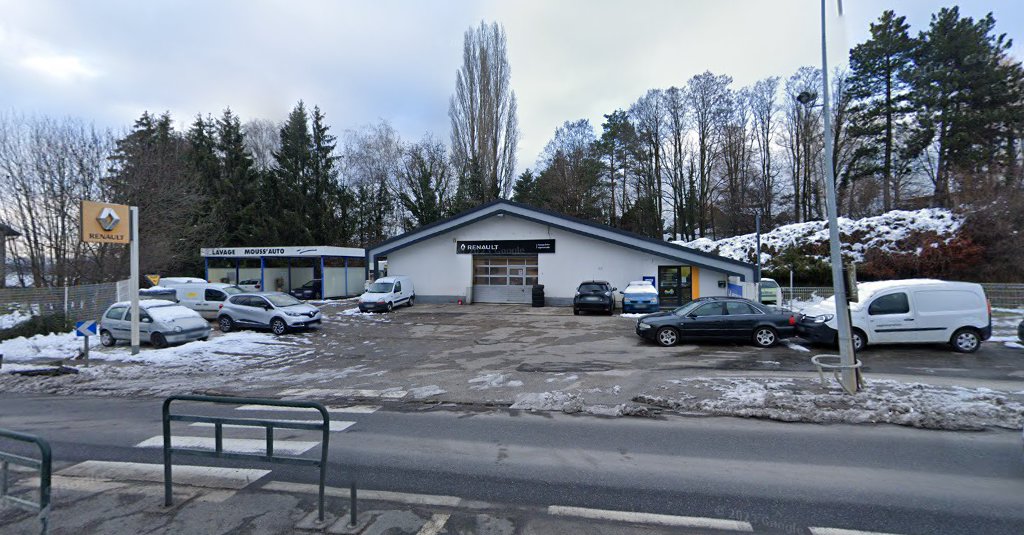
{"points": [[85, 328]]}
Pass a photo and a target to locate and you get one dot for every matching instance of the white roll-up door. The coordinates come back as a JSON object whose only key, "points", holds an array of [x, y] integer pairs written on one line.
{"points": [[504, 279]]}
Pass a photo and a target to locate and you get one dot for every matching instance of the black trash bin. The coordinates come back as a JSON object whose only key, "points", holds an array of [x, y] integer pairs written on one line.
{"points": [[538, 295]]}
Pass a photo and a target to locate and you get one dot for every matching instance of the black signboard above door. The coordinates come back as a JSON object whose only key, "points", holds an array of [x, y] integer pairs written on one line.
{"points": [[505, 247]]}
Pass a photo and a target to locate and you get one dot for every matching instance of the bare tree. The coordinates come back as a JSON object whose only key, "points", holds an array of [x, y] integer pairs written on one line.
{"points": [[764, 109], [677, 119], [424, 182], [263, 139], [803, 141], [648, 113], [736, 161], [485, 129], [372, 157], [708, 95]]}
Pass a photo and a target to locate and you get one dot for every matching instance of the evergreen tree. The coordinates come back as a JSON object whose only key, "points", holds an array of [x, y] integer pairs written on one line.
{"points": [[878, 70], [526, 189], [288, 217], [237, 206], [324, 195]]}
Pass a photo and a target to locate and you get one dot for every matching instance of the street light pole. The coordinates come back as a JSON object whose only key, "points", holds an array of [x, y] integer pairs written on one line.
{"points": [[846, 355]]}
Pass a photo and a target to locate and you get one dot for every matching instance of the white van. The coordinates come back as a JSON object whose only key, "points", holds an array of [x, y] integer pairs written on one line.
{"points": [[771, 293], [386, 293], [204, 297], [914, 311]]}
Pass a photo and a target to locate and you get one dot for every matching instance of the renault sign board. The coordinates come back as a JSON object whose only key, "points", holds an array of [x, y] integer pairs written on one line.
{"points": [[105, 223]]}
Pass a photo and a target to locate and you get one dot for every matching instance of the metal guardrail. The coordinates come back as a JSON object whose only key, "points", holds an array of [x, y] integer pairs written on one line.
{"points": [[218, 422], [43, 464]]}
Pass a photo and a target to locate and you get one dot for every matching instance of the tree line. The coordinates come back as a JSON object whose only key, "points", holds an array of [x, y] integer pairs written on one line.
{"points": [[932, 119]]}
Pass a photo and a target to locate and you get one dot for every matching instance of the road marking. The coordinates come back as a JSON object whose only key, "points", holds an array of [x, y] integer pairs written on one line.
{"points": [[336, 426], [375, 495], [235, 445], [651, 518], [434, 525], [351, 409], [837, 531], [196, 476], [343, 393]]}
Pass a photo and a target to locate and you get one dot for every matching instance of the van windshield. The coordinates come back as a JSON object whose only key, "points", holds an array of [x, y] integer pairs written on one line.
{"points": [[381, 287], [232, 290]]}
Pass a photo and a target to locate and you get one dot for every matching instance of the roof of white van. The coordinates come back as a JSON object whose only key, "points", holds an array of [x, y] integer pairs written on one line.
{"points": [[391, 278], [148, 303], [867, 289], [181, 280]]}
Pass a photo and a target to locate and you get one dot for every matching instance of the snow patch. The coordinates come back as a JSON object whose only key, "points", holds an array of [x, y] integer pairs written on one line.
{"points": [[492, 380], [13, 319], [426, 391]]}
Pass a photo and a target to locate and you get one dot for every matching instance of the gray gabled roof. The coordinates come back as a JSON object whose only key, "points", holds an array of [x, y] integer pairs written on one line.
{"points": [[598, 231]]}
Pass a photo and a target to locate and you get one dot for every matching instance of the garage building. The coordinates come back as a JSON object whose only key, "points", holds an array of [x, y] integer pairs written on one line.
{"points": [[341, 270], [495, 253]]}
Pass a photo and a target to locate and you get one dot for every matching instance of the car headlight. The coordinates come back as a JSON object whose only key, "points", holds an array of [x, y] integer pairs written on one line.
{"points": [[293, 314], [607, 294], [577, 294], [177, 329], [642, 326], [823, 318]]}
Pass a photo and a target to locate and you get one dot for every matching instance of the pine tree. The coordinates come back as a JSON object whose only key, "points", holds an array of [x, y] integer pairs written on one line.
{"points": [[238, 202], [287, 189], [878, 70]]}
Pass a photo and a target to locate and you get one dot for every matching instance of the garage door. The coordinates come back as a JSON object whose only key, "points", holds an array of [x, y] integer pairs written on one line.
{"points": [[504, 279]]}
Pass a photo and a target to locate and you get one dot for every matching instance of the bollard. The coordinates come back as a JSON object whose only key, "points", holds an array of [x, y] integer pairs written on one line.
{"points": [[352, 512]]}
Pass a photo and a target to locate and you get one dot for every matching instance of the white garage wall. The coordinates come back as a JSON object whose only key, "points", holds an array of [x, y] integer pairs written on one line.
{"points": [[438, 271]]}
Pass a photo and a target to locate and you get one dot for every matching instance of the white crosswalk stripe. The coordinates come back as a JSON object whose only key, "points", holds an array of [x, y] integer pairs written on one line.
{"points": [[336, 425], [196, 476], [351, 409], [343, 393], [234, 445]]}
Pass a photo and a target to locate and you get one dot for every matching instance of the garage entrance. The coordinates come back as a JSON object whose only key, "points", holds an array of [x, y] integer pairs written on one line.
{"points": [[504, 279]]}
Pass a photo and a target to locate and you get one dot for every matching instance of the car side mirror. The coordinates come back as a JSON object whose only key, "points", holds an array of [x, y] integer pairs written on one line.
{"points": [[615, 289], [268, 307]]}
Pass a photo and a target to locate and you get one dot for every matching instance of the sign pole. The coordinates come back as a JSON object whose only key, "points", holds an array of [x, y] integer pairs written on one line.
{"points": [[134, 282], [85, 351]]}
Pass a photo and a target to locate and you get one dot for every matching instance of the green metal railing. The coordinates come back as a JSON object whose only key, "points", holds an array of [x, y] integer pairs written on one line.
{"points": [[218, 452], [43, 464]]}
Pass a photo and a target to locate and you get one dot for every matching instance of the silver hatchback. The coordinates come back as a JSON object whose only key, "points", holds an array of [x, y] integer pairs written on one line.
{"points": [[276, 311], [161, 323]]}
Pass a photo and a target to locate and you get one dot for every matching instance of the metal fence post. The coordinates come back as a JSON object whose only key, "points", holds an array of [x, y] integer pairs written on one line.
{"points": [[43, 464]]}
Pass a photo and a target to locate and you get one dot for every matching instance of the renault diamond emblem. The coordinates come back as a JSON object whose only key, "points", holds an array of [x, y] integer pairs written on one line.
{"points": [[108, 219]]}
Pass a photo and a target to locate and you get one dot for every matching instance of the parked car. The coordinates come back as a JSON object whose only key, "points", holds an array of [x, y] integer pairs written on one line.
{"points": [[771, 292], [250, 285], [1020, 331], [594, 296], [640, 297], [719, 318], [385, 293], [310, 290], [161, 323], [205, 297], [276, 311], [911, 311]]}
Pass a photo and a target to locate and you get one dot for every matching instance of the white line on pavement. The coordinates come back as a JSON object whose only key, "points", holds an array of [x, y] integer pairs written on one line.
{"points": [[435, 524], [351, 409], [377, 495], [838, 531], [651, 518], [196, 476], [235, 445], [336, 426]]}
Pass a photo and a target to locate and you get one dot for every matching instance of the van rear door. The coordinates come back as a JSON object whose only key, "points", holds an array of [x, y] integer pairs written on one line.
{"points": [[941, 312], [891, 320]]}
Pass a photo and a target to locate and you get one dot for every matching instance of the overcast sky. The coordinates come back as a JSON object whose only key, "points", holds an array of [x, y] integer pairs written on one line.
{"points": [[108, 61]]}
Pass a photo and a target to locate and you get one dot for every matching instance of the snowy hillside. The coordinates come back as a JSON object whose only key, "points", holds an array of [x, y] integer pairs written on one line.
{"points": [[885, 233]]}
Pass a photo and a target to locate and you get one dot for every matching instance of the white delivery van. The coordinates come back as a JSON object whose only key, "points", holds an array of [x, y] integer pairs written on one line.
{"points": [[178, 281], [771, 293], [386, 293], [205, 298], [914, 311]]}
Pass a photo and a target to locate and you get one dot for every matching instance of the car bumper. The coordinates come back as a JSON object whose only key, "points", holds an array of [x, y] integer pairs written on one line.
{"points": [[635, 308], [302, 323], [647, 334], [593, 305], [818, 333], [373, 307]]}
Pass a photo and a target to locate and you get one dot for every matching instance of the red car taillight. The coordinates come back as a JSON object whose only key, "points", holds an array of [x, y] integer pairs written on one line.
{"points": [[792, 320], [220, 306]]}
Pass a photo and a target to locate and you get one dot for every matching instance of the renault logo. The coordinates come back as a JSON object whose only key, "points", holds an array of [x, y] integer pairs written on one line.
{"points": [[108, 219]]}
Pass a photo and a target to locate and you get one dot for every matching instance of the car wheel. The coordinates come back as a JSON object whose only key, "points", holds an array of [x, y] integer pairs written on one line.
{"points": [[278, 326], [575, 311], [765, 337], [859, 340], [667, 336], [204, 339], [391, 306], [966, 340], [226, 325], [411, 299], [107, 339], [158, 340]]}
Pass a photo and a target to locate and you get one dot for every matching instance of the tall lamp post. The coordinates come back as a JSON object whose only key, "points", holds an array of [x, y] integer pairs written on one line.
{"points": [[846, 355]]}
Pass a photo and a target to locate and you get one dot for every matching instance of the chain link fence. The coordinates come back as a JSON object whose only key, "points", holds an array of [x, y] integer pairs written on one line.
{"points": [[62, 305], [1003, 295]]}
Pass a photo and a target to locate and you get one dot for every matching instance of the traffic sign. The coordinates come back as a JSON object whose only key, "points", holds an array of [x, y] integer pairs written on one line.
{"points": [[155, 279], [86, 328]]}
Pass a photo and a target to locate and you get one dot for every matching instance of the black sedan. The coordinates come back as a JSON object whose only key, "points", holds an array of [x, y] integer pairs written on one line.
{"points": [[719, 318], [310, 290]]}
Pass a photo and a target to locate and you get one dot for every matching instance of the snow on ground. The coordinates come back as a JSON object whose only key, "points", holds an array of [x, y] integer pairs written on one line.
{"points": [[13, 318], [54, 346], [795, 346], [426, 391], [883, 232], [881, 401], [492, 380], [631, 315], [567, 402]]}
